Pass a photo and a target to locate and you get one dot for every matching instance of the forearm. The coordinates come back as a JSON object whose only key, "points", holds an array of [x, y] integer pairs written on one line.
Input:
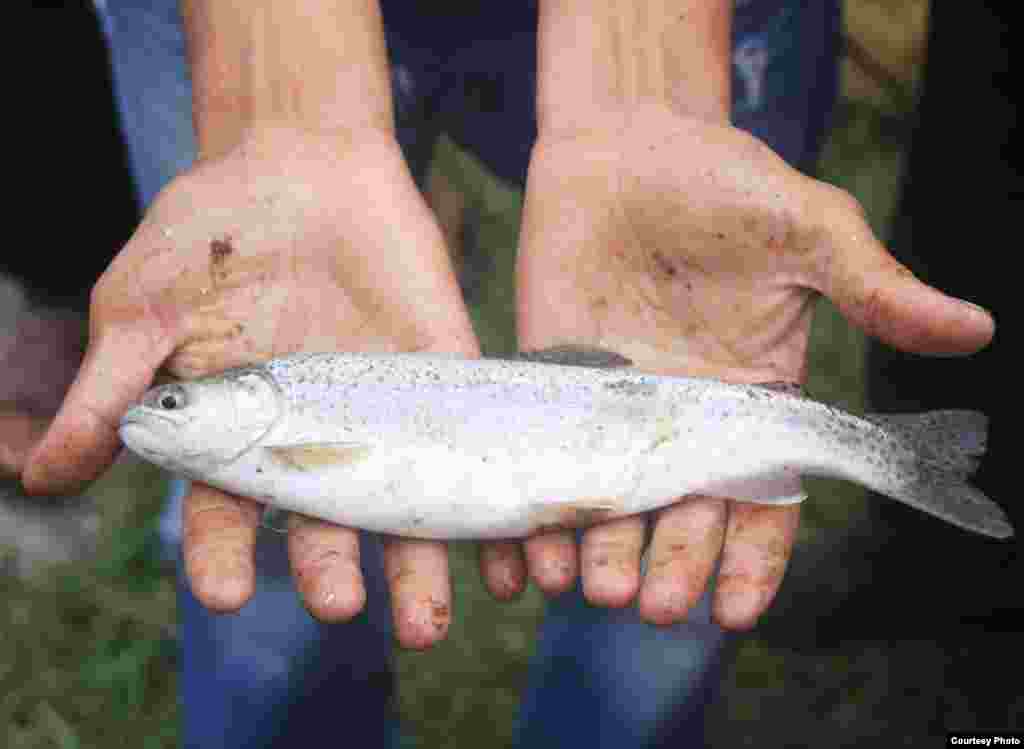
{"points": [[601, 57], [315, 65]]}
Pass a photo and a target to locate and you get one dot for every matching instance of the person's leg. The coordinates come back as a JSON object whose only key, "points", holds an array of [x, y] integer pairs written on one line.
{"points": [[241, 675], [604, 677]]}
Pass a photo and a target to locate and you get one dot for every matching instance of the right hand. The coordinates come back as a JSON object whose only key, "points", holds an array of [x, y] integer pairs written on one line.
{"points": [[286, 243]]}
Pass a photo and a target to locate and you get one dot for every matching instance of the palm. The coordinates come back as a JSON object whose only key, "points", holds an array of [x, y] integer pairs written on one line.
{"points": [[672, 251], [275, 248], [693, 249], [244, 259]]}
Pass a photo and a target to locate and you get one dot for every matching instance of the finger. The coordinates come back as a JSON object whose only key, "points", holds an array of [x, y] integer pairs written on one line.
{"points": [[552, 561], [503, 568], [218, 545], [19, 433], [82, 440], [610, 561], [417, 573], [685, 546], [881, 296], [758, 543], [325, 563]]}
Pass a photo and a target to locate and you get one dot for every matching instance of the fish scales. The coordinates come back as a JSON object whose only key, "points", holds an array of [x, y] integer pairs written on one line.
{"points": [[441, 447]]}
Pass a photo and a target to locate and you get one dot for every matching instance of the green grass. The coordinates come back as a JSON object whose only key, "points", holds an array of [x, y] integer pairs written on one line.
{"points": [[85, 657]]}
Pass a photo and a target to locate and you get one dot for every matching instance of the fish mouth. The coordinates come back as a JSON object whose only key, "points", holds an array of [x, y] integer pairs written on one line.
{"points": [[145, 432], [144, 416]]}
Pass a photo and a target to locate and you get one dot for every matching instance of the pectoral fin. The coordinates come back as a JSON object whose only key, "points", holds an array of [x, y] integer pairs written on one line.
{"points": [[315, 456]]}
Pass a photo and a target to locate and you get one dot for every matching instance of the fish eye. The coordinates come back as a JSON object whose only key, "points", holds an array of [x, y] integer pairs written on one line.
{"points": [[171, 399]]}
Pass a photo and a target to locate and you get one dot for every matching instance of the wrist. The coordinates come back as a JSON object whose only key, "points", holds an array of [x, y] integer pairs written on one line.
{"points": [[274, 66], [607, 62]]}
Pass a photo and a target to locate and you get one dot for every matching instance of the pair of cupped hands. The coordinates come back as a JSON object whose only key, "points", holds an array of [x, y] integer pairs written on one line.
{"points": [[687, 246]]}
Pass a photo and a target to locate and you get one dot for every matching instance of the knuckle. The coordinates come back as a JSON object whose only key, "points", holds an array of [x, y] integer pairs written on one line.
{"points": [[843, 200], [607, 550], [216, 524], [320, 559]]}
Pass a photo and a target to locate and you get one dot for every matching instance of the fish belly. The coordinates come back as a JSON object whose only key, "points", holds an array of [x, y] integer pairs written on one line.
{"points": [[588, 465]]}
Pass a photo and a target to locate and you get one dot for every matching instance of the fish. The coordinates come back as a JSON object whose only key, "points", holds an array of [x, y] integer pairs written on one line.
{"points": [[441, 447]]}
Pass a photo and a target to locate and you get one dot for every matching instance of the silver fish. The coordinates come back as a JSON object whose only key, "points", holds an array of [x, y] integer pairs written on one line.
{"points": [[433, 446]]}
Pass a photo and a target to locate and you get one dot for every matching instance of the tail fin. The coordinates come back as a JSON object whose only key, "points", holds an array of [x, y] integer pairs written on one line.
{"points": [[946, 447]]}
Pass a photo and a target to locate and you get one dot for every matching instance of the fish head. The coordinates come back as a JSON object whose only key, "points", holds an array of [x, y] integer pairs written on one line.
{"points": [[191, 427]]}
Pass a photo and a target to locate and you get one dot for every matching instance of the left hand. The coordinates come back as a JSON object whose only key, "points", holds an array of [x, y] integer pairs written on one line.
{"points": [[692, 248]]}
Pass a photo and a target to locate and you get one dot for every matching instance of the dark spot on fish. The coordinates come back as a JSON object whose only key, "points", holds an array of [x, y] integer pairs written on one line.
{"points": [[632, 387]]}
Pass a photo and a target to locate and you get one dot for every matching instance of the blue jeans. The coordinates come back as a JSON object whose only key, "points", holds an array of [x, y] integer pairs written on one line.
{"points": [[600, 678]]}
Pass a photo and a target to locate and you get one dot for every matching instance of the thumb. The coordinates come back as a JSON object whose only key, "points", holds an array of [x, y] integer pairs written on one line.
{"points": [[881, 296], [82, 440]]}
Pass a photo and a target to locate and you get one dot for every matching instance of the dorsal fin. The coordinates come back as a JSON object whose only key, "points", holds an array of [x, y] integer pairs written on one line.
{"points": [[576, 355], [785, 386]]}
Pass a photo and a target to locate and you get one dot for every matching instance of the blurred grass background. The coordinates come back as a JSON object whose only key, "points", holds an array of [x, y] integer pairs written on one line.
{"points": [[87, 656]]}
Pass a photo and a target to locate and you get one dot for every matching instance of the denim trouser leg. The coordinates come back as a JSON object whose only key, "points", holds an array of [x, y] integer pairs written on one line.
{"points": [[604, 678]]}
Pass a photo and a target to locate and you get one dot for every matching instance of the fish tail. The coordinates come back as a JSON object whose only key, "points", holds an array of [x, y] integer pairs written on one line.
{"points": [[944, 449]]}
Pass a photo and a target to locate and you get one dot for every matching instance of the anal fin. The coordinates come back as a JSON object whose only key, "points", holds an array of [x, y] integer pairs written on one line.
{"points": [[776, 488]]}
